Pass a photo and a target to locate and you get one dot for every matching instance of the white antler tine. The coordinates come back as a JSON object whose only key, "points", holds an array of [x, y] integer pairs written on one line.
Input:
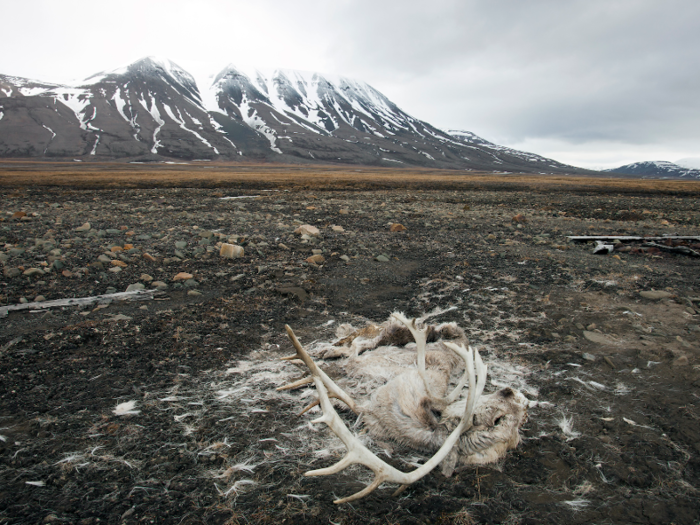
{"points": [[461, 351], [316, 372], [420, 337], [296, 384]]}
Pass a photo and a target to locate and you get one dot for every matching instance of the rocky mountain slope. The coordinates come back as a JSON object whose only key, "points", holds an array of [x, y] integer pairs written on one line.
{"points": [[658, 169], [153, 110]]}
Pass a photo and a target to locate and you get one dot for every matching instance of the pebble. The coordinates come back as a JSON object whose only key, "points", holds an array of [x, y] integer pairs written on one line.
{"points": [[180, 245], [193, 292], [396, 227], [158, 284], [307, 229], [33, 271], [115, 269], [337, 228], [656, 294], [588, 357], [381, 258], [146, 278], [119, 263], [149, 257], [40, 298], [681, 361], [12, 272], [595, 337], [316, 259], [231, 251], [182, 276], [283, 246], [345, 258], [103, 258], [135, 286], [191, 283], [344, 211]]}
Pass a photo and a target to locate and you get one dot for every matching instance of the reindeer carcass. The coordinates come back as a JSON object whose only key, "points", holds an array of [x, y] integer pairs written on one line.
{"points": [[413, 396]]}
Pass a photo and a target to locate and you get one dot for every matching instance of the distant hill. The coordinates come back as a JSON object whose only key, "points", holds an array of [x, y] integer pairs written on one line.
{"points": [[657, 169]]}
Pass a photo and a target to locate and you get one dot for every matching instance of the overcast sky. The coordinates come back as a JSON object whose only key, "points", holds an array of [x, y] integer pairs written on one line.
{"points": [[593, 83]]}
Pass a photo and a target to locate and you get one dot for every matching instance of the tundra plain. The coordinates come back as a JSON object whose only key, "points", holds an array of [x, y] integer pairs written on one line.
{"points": [[607, 345]]}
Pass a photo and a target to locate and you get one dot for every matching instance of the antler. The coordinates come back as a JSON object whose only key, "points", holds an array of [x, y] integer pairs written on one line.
{"points": [[302, 354], [357, 452], [420, 337]]}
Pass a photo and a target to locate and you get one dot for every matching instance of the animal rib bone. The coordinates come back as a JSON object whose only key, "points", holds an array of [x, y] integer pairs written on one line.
{"points": [[357, 452]]}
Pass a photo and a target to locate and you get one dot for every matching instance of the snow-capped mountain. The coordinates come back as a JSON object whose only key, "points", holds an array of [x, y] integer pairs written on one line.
{"points": [[153, 109], [657, 169]]}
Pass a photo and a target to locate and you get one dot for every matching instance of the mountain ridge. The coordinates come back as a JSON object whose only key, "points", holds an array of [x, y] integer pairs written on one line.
{"points": [[153, 109], [657, 169]]}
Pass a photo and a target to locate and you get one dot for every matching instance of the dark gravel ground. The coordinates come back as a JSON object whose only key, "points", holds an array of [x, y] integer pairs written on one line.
{"points": [[615, 439]]}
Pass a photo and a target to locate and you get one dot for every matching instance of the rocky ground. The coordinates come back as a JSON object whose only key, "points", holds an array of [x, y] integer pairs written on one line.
{"points": [[608, 344]]}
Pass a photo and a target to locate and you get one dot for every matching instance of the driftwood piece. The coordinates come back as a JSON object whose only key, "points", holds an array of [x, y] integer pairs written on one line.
{"points": [[136, 295], [673, 249], [585, 238]]}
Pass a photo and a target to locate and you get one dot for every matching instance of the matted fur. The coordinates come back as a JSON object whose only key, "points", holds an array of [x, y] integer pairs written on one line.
{"points": [[376, 366]]}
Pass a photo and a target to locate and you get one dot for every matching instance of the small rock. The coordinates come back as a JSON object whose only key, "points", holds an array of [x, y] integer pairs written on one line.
{"points": [[115, 269], [345, 258], [193, 292], [149, 257], [12, 272], [33, 271], [381, 258], [337, 228], [135, 287], [296, 291], [580, 326], [182, 276], [23, 300], [316, 259], [191, 283], [40, 298], [283, 246], [146, 278], [158, 284], [344, 211], [67, 273], [588, 357], [681, 361], [396, 227], [307, 229], [117, 262], [656, 294], [231, 251], [18, 215], [595, 337], [103, 258], [591, 327], [519, 219], [180, 245]]}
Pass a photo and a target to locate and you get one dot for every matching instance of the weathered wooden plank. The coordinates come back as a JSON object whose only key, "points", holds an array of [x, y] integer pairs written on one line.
{"points": [[136, 295]]}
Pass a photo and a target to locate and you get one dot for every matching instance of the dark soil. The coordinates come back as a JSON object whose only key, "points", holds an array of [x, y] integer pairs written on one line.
{"points": [[615, 439]]}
